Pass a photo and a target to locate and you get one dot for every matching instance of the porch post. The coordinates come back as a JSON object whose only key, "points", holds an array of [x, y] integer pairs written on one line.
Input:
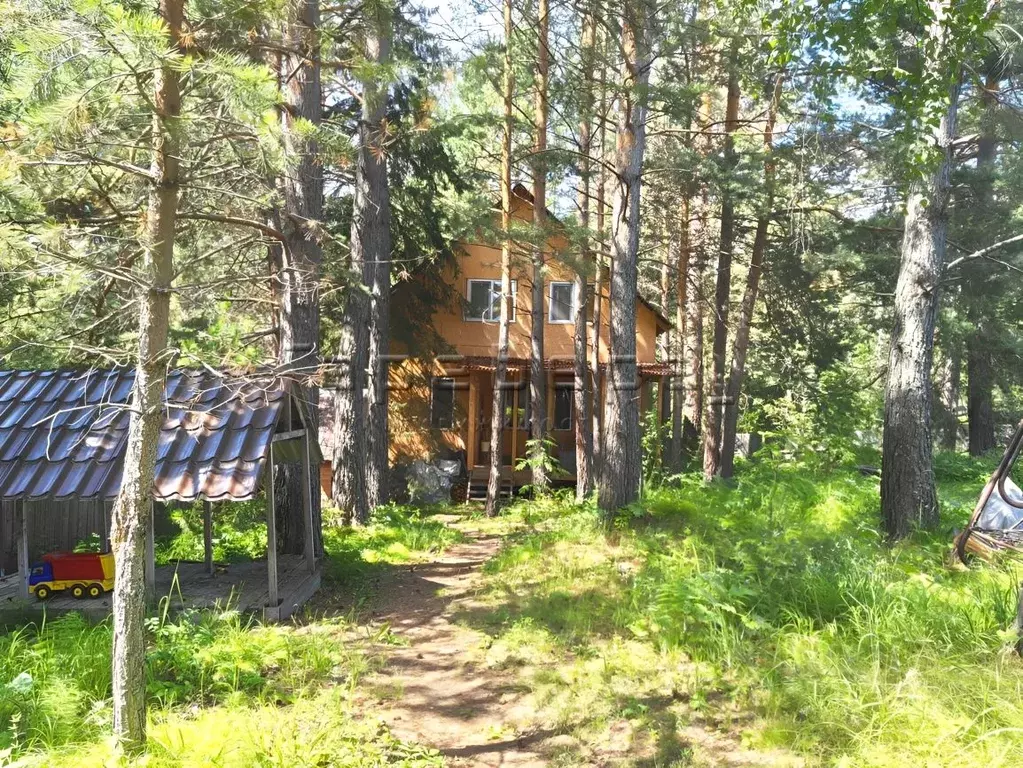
{"points": [[150, 556], [23, 564], [514, 429], [207, 535], [472, 441], [308, 548], [273, 611]]}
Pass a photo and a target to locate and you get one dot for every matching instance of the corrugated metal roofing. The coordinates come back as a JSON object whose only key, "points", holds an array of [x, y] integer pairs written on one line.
{"points": [[63, 434]]}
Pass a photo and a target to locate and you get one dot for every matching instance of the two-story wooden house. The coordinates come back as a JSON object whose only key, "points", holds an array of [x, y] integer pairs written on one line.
{"points": [[441, 407]]}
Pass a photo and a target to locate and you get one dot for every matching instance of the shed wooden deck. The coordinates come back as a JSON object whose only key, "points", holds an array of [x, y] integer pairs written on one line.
{"points": [[238, 586]]}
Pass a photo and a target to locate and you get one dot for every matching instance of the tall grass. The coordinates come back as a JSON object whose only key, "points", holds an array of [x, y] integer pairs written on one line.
{"points": [[223, 688], [781, 592]]}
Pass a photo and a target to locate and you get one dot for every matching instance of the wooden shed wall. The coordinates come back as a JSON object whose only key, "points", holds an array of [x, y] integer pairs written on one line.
{"points": [[52, 526]]}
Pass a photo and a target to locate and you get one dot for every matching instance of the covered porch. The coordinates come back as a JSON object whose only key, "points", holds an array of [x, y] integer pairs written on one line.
{"points": [[472, 383]]}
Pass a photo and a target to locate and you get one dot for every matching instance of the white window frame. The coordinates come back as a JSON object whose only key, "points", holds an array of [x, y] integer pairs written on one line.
{"points": [[573, 307], [495, 289]]}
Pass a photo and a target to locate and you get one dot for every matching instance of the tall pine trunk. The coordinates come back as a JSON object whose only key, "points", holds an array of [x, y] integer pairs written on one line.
{"points": [[132, 516], [740, 347], [372, 218], [597, 407], [979, 359], [621, 460], [677, 356], [693, 346], [370, 237], [908, 494], [301, 222], [582, 390], [951, 380], [501, 364], [723, 285], [537, 373]]}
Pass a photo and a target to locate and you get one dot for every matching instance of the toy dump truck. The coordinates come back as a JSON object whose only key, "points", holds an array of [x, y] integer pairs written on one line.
{"points": [[85, 574], [997, 520]]}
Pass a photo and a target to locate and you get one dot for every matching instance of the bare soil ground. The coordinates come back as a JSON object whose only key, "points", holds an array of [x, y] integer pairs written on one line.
{"points": [[432, 687]]}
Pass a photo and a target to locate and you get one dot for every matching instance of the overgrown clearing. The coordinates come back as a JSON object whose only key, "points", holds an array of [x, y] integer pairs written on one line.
{"points": [[763, 624]]}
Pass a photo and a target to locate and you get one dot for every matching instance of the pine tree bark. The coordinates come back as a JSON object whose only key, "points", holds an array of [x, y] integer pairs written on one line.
{"points": [[740, 347], [723, 285], [350, 413], [692, 425], [354, 438], [979, 359], [597, 407], [908, 494], [537, 373], [677, 357], [621, 460], [950, 386], [301, 222], [501, 364], [132, 517], [582, 394], [372, 218], [980, 411]]}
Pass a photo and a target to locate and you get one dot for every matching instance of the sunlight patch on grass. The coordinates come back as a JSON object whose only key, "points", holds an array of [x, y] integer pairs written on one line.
{"points": [[772, 612]]}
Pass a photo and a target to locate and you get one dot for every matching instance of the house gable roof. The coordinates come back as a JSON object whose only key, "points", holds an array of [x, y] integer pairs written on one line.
{"points": [[663, 324]]}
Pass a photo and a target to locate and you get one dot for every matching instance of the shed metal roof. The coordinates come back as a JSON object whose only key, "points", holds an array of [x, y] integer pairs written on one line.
{"points": [[63, 434]]}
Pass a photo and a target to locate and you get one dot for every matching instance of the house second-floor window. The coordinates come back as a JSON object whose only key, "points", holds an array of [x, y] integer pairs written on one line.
{"points": [[561, 303], [483, 301], [442, 403], [563, 406]]}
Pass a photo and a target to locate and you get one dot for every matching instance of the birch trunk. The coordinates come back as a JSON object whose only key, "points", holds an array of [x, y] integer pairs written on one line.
{"points": [[712, 436], [908, 494], [537, 374], [132, 518], [302, 254], [621, 459], [501, 364], [740, 347], [582, 392], [372, 218]]}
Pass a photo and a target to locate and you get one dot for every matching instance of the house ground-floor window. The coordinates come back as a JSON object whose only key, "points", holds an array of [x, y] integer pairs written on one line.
{"points": [[442, 403], [563, 406]]}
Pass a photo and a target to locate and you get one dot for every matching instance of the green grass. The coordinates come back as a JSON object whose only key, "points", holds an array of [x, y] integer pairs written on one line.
{"points": [[223, 689], [770, 610]]}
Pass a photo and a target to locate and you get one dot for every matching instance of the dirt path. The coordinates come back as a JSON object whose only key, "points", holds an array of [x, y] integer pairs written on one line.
{"points": [[431, 689]]}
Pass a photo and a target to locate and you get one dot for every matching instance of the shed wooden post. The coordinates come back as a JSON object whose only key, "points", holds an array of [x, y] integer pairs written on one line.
{"points": [[309, 546], [150, 556], [273, 610], [207, 535], [23, 564]]}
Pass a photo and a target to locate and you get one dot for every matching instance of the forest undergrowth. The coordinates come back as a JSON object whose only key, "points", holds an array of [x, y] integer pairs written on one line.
{"points": [[771, 611]]}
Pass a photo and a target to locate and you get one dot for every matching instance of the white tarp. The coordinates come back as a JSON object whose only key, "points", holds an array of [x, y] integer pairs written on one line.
{"points": [[998, 515]]}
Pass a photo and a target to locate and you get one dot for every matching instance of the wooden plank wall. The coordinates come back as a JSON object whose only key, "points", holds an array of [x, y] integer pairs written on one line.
{"points": [[52, 526]]}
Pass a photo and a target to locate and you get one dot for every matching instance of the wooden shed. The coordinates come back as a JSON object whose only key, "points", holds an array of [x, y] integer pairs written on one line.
{"points": [[63, 435]]}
